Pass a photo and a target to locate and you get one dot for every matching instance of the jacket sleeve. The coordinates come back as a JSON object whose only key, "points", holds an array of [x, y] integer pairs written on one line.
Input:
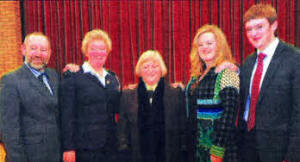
{"points": [[67, 106], [182, 120], [190, 126], [123, 125], [293, 152], [10, 111], [224, 126]]}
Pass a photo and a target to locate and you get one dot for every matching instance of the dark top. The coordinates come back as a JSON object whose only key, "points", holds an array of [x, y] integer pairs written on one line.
{"points": [[87, 111], [151, 122], [170, 124]]}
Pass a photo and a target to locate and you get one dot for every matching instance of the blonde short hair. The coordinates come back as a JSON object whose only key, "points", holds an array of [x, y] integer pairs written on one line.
{"points": [[261, 10], [40, 34], [96, 34], [152, 55], [223, 50]]}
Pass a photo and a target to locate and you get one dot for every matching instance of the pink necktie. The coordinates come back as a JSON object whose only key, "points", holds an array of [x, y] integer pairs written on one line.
{"points": [[255, 90]]}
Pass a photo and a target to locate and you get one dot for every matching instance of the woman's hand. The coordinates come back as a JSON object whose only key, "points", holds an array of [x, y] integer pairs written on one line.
{"points": [[178, 84], [215, 158], [69, 156], [130, 86], [226, 65]]}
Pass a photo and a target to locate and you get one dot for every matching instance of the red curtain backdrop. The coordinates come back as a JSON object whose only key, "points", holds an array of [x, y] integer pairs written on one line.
{"points": [[137, 26]]}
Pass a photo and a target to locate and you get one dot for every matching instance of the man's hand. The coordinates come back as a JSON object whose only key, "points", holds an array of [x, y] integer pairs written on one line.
{"points": [[226, 65], [178, 84], [215, 158], [69, 156], [71, 67]]}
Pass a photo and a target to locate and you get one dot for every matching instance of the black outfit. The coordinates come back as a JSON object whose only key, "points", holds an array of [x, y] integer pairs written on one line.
{"points": [[151, 123], [152, 131], [88, 111], [275, 136]]}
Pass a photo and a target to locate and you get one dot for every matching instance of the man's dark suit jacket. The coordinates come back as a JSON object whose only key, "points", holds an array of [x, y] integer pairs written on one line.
{"points": [[128, 133], [87, 111], [29, 117], [278, 107]]}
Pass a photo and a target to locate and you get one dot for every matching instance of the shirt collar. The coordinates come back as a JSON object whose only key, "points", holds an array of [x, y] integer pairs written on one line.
{"points": [[34, 71], [151, 87], [270, 50], [87, 68]]}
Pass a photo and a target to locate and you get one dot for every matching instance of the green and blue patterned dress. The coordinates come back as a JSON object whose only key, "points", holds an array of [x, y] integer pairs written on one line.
{"points": [[212, 105]]}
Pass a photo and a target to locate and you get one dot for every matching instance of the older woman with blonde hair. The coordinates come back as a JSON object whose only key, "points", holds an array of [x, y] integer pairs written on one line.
{"points": [[89, 100], [212, 98], [152, 114]]}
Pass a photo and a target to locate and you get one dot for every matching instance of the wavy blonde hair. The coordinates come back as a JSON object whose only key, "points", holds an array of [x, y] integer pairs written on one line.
{"points": [[96, 34], [151, 55], [223, 50]]}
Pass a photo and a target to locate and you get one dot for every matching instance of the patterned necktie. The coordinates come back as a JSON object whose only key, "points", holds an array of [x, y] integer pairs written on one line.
{"points": [[255, 90], [41, 78]]}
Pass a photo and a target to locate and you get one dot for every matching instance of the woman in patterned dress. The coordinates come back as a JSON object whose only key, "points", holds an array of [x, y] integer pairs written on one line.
{"points": [[212, 98]]}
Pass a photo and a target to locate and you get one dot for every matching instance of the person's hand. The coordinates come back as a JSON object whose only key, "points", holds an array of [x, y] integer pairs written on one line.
{"points": [[178, 84], [226, 65], [69, 156], [2, 152], [215, 158], [71, 67], [130, 86]]}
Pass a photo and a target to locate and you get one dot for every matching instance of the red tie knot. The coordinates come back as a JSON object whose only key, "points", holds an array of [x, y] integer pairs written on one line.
{"points": [[261, 56]]}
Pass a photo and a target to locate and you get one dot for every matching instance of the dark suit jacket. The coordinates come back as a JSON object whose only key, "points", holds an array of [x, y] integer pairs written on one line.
{"points": [[174, 123], [87, 111], [29, 117], [278, 107]]}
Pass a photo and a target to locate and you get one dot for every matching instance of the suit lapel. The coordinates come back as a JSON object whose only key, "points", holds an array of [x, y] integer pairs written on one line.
{"points": [[35, 83], [247, 74], [53, 81], [274, 64], [94, 79]]}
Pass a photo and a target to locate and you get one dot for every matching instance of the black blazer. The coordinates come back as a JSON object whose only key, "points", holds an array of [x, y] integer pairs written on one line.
{"points": [[87, 111], [29, 117], [128, 135], [278, 107]]}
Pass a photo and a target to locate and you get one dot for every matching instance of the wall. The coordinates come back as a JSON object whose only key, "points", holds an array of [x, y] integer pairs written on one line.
{"points": [[10, 36]]}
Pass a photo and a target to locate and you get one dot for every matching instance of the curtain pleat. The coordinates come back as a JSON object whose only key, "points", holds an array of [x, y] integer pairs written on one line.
{"points": [[297, 23], [125, 37], [137, 26]]}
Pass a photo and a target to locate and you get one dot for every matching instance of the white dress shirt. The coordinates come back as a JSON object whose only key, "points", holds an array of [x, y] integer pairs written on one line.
{"points": [[269, 52], [87, 68]]}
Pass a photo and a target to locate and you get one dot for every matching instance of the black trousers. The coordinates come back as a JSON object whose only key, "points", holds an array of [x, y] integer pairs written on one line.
{"points": [[250, 153], [97, 155], [247, 145]]}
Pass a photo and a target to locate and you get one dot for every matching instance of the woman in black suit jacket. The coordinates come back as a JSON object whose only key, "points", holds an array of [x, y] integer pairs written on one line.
{"points": [[88, 101], [152, 115]]}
